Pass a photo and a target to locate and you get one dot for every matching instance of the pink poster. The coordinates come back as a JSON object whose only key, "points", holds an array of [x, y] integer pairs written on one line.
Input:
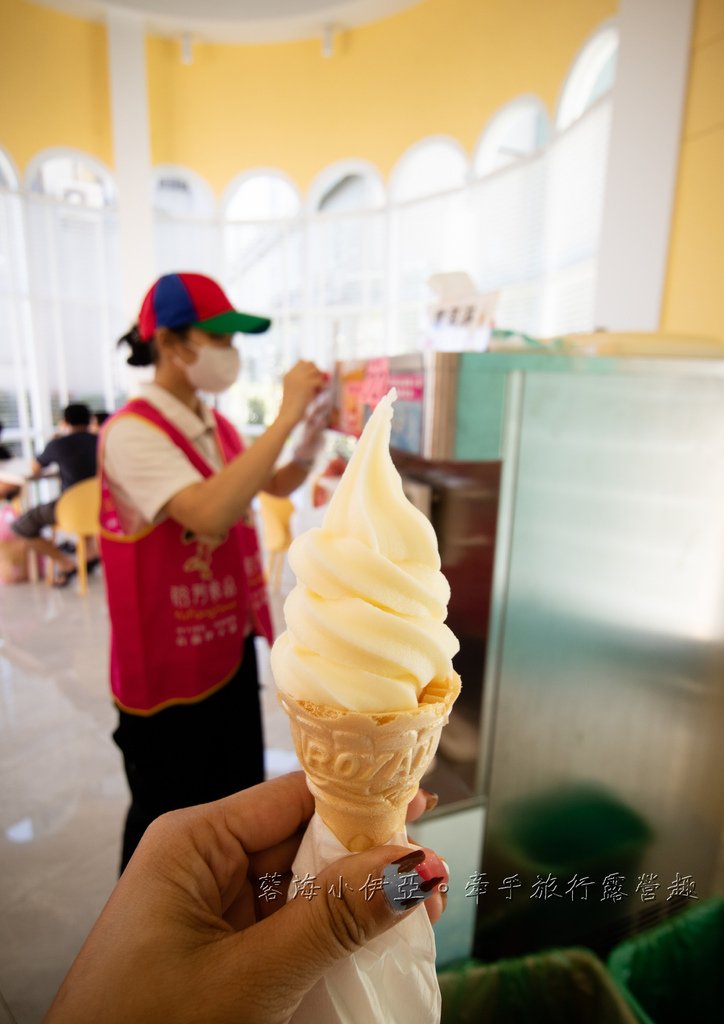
{"points": [[410, 386], [376, 382]]}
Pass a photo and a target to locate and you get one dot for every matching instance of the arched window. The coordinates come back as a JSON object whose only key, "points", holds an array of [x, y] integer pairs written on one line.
{"points": [[507, 210], [352, 192], [8, 176], [433, 165], [75, 178], [264, 272], [591, 76], [180, 192], [262, 241], [347, 259], [428, 228], [73, 254], [346, 186], [517, 131], [261, 195], [185, 232]]}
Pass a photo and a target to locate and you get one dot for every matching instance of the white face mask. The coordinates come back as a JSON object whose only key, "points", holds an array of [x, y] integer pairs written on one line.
{"points": [[215, 369]]}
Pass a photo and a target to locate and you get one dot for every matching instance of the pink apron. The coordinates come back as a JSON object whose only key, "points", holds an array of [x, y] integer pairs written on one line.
{"points": [[178, 605]]}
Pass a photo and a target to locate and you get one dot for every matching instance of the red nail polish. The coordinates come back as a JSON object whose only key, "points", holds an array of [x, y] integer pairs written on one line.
{"points": [[431, 867]]}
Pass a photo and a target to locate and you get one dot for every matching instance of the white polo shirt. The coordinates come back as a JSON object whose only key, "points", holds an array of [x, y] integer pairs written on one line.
{"points": [[145, 469]]}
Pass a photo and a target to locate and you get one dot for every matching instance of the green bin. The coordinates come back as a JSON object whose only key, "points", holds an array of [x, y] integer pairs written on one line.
{"points": [[567, 986], [674, 973], [576, 829]]}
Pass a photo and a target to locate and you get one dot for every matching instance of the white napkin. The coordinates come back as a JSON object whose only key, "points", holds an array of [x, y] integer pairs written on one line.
{"points": [[391, 980]]}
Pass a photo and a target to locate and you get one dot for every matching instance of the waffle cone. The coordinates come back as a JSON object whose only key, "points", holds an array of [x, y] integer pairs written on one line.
{"points": [[363, 769]]}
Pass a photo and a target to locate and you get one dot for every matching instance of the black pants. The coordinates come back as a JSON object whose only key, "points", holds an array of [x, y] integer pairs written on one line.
{"points": [[192, 753]]}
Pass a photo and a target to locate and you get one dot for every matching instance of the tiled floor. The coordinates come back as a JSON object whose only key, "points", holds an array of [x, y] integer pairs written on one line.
{"points": [[62, 788]]}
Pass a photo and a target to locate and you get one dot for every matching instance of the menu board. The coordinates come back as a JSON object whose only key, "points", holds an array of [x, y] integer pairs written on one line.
{"points": [[407, 423], [361, 385]]}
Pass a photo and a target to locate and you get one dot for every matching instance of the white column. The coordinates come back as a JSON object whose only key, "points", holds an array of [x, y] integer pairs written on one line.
{"points": [[131, 144], [648, 103]]}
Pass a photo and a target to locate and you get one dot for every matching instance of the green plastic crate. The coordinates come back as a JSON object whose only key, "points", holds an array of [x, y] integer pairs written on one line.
{"points": [[567, 986], [674, 973]]}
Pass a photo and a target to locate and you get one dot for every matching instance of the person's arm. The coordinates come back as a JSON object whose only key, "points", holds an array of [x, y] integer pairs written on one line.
{"points": [[288, 478], [42, 461], [211, 507], [291, 476]]}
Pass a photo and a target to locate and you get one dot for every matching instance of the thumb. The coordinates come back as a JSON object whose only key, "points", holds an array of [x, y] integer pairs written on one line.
{"points": [[336, 913]]}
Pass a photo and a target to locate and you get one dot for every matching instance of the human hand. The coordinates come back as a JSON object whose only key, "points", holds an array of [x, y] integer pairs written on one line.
{"points": [[301, 384], [315, 423], [187, 935]]}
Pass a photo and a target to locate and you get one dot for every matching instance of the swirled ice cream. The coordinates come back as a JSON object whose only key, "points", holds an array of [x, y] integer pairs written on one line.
{"points": [[366, 621]]}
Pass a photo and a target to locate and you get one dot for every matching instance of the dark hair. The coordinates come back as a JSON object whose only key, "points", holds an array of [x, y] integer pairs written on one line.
{"points": [[77, 415], [101, 416], [144, 353]]}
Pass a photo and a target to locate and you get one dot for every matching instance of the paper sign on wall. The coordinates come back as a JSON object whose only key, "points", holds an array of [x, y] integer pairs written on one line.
{"points": [[462, 318]]}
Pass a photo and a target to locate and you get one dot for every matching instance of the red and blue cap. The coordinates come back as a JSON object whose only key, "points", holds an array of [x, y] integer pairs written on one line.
{"points": [[180, 300]]}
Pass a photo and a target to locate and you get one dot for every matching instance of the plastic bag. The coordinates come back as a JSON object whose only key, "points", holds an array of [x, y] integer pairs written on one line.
{"points": [[392, 978]]}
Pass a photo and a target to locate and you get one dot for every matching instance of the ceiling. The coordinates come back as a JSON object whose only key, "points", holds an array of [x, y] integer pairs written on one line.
{"points": [[241, 21]]}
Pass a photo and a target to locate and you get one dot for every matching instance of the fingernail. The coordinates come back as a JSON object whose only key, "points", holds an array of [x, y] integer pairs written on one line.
{"points": [[409, 862], [432, 866], [431, 799], [403, 891]]}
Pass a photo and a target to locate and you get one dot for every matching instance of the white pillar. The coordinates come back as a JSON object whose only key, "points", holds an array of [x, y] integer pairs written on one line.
{"points": [[131, 144], [648, 104]]}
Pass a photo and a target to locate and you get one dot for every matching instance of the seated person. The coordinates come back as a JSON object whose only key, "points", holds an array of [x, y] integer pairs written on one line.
{"points": [[74, 451], [99, 418], [8, 490], [5, 452]]}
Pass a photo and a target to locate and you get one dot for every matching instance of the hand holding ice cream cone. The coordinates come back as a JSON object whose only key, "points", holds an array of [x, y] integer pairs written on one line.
{"points": [[191, 933]]}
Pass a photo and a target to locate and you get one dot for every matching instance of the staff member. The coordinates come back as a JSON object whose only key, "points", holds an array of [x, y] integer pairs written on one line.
{"points": [[184, 576]]}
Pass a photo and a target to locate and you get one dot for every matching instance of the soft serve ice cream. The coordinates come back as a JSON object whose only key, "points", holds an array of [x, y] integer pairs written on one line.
{"points": [[365, 622]]}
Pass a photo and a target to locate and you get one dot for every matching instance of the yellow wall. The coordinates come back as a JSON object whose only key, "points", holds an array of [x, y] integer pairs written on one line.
{"points": [[54, 88], [442, 66], [693, 300]]}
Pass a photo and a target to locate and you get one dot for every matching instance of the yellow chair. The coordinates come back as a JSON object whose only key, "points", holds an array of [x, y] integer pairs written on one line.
{"points": [[276, 514], [77, 511]]}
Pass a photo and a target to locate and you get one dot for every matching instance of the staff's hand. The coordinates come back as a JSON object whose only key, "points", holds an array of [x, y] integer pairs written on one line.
{"points": [[189, 934], [315, 423], [303, 383]]}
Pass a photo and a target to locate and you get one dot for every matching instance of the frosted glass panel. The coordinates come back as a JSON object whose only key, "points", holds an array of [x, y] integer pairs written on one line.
{"points": [[607, 756]]}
